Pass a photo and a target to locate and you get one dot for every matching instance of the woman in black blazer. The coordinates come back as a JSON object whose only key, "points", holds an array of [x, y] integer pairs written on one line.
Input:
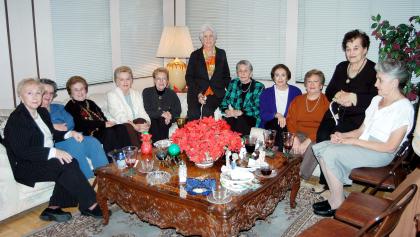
{"points": [[207, 76], [29, 140]]}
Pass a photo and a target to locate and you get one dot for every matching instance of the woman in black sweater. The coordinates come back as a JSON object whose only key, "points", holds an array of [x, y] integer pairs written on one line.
{"points": [[29, 141], [351, 87], [161, 104], [90, 120]]}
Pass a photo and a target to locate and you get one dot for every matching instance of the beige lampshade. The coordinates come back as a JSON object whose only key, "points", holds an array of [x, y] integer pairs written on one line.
{"points": [[175, 42]]}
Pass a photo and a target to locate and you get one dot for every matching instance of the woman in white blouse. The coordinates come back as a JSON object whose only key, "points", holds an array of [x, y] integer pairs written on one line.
{"points": [[388, 120], [125, 105]]}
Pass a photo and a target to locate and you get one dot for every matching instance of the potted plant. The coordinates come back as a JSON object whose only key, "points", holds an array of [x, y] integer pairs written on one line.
{"points": [[204, 140], [402, 43]]}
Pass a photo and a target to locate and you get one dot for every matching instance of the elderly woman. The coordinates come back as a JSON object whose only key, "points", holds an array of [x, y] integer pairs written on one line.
{"points": [[89, 118], [29, 140], [125, 105], [352, 87], [303, 118], [241, 102], [207, 76], [275, 102], [388, 120], [161, 104], [90, 147]]}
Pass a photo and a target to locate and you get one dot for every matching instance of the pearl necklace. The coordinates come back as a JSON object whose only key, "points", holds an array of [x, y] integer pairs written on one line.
{"points": [[358, 71], [316, 104]]}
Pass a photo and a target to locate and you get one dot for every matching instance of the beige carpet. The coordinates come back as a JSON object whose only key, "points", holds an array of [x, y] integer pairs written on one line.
{"points": [[284, 221]]}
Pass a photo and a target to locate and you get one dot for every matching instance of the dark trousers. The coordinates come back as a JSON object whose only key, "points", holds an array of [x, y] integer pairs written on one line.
{"points": [[274, 125], [159, 129], [114, 137], [242, 124], [135, 137], [193, 113], [328, 127], [71, 187]]}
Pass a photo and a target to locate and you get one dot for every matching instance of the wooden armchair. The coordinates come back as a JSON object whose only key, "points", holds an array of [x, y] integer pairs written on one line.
{"points": [[384, 178], [380, 224]]}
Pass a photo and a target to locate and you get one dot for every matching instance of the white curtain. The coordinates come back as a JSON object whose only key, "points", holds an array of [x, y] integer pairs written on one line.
{"points": [[322, 25], [247, 29]]}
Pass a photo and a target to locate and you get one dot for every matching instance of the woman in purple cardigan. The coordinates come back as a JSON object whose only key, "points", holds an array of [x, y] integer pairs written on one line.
{"points": [[275, 101]]}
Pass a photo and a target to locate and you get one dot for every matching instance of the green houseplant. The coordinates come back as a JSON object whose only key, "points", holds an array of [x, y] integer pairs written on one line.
{"points": [[402, 43]]}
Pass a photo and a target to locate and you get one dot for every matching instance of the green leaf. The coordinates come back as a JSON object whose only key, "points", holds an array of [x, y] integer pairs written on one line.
{"points": [[373, 18], [374, 25], [378, 17]]}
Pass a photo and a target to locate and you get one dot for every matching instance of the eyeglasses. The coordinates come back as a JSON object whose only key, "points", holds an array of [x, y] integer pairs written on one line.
{"points": [[161, 78]]}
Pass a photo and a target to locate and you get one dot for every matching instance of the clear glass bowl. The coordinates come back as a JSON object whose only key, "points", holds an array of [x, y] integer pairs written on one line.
{"points": [[158, 177]]}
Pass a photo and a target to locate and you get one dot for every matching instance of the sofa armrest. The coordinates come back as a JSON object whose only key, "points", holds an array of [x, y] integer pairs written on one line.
{"points": [[9, 195]]}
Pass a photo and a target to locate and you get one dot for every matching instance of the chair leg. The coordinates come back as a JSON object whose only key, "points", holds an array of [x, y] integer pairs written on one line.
{"points": [[365, 189]]}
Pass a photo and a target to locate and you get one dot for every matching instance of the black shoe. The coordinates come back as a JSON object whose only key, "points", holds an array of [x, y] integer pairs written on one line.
{"points": [[321, 205], [96, 212], [57, 215], [326, 211]]}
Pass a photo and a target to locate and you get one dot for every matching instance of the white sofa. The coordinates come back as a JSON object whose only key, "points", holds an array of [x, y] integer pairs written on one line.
{"points": [[15, 197]]}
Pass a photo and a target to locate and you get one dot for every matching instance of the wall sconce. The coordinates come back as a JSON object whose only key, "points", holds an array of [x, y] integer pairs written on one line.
{"points": [[175, 42]]}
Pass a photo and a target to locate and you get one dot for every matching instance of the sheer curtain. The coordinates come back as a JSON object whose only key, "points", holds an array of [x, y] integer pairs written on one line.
{"points": [[247, 29], [322, 25], [82, 40]]}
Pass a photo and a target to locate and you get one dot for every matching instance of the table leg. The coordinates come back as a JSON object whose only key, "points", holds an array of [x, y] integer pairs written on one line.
{"points": [[293, 192], [102, 202]]}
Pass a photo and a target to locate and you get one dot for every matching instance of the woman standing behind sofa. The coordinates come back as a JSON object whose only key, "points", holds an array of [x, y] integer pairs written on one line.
{"points": [[125, 105], [207, 76], [275, 102], [29, 140], [241, 101], [303, 118], [90, 120], [90, 147], [161, 104]]}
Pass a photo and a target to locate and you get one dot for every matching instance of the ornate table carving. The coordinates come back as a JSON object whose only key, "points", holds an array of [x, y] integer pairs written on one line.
{"points": [[163, 206]]}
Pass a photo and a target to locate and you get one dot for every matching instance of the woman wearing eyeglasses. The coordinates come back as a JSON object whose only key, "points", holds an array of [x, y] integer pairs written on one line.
{"points": [[161, 104]]}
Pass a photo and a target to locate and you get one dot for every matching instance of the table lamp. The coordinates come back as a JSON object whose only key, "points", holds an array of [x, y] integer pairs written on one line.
{"points": [[175, 42]]}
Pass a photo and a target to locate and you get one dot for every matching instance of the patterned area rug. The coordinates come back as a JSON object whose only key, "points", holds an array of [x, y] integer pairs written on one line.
{"points": [[284, 221]]}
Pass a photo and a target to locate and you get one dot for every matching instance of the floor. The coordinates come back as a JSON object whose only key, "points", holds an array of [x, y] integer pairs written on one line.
{"points": [[28, 221]]}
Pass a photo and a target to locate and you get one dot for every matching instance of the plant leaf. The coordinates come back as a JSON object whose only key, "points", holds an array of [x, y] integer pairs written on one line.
{"points": [[374, 25]]}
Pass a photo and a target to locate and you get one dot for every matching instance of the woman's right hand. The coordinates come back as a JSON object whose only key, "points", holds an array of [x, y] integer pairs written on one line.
{"points": [[336, 137], [109, 124], [63, 156], [201, 98], [280, 120], [60, 127], [296, 145]]}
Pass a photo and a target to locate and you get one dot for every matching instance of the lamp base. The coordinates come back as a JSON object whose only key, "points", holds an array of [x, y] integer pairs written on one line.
{"points": [[177, 70]]}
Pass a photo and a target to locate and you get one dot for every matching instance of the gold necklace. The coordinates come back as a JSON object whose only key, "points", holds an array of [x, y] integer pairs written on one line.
{"points": [[358, 71], [307, 106]]}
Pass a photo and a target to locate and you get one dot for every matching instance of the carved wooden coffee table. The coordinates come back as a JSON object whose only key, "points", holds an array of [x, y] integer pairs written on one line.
{"points": [[162, 205]]}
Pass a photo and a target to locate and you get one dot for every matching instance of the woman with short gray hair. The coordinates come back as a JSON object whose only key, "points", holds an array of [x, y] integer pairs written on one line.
{"points": [[388, 120], [241, 102], [207, 76]]}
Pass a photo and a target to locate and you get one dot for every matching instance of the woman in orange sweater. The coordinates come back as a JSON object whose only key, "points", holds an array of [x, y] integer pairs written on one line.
{"points": [[305, 114]]}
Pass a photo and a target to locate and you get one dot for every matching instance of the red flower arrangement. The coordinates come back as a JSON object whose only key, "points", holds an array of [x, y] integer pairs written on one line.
{"points": [[207, 135]]}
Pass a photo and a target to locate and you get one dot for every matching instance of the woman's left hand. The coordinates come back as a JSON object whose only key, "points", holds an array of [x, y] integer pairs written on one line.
{"points": [[167, 116], [77, 136]]}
